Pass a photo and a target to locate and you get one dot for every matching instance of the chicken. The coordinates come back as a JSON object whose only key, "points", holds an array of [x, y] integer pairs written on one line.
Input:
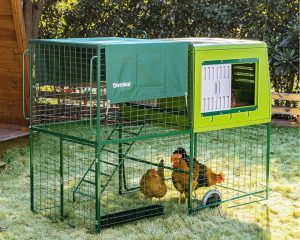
{"points": [[180, 179], [206, 176], [153, 183]]}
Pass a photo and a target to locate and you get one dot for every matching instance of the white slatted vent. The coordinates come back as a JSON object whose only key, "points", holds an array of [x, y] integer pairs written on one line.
{"points": [[216, 87]]}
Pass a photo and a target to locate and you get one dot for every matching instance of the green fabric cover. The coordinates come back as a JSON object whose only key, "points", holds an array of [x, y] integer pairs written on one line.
{"points": [[142, 71]]}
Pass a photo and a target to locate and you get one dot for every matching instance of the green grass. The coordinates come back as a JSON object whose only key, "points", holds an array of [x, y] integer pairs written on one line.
{"points": [[277, 218]]}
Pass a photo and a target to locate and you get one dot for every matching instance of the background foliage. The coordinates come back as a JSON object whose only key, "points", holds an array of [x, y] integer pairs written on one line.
{"points": [[276, 22]]}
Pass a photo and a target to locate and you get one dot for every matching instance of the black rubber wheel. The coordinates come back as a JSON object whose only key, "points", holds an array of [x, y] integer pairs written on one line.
{"points": [[211, 197]]}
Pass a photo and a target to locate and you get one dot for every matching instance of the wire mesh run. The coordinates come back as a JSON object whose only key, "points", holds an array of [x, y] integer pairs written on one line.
{"points": [[65, 178], [237, 158], [65, 175]]}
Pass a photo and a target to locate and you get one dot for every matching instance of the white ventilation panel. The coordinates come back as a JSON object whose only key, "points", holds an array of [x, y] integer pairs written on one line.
{"points": [[216, 87]]}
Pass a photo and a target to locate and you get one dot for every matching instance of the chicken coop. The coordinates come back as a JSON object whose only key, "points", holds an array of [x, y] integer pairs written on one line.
{"points": [[114, 121]]}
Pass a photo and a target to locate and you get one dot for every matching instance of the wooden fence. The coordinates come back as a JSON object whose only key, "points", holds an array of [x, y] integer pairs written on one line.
{"points": [[292, 111]]}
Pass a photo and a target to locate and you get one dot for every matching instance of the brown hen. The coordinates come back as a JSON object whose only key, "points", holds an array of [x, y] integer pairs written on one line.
{"points": [[206, 176], [153, 183], [181, 179]]}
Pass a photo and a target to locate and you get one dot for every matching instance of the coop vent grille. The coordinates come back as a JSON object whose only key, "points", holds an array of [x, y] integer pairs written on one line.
{"points": [[216, 87]]}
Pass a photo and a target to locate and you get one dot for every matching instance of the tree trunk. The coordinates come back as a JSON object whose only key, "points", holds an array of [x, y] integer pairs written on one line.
{"points": [[291, 81], [32, 11], [36, 16], [27, 12]]}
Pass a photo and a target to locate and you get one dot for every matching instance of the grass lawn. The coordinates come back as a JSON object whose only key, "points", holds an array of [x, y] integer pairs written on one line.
{"points": [[277, 218]]}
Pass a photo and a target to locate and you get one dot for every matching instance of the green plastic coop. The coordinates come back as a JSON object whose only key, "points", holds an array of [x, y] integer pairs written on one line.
{"points": [[104, 110]]}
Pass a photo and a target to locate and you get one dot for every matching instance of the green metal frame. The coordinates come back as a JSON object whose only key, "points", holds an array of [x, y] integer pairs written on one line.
{"points": [[31, 132], [230, 111], [231, 61], [23, 83], [61, 172], [236, 109], [268, 160], [144, 137], [98, 153], [91, 82], [99, 142], [122, 157]]}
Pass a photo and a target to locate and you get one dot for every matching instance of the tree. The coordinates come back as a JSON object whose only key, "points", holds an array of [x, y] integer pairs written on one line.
{"points": [[32, 11], [276, 22]]}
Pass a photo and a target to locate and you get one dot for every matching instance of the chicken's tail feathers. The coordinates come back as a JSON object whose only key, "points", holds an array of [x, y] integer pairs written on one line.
{"points": [[161, 163], [221, 177], [180, 150], [161, 169], [195, 160]]}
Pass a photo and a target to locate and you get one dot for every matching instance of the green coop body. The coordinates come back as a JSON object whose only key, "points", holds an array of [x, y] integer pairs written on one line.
{"points": [[115, 123]]}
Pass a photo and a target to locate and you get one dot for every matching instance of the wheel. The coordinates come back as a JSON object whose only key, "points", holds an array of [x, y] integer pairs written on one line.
{"points": [[211, 197]]}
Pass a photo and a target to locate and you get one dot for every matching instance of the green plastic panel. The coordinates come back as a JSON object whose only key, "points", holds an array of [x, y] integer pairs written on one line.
{"points": [[259, 113]]}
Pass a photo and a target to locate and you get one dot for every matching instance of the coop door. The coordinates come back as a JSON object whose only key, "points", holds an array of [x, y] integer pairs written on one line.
{"points": [[216, 87]]}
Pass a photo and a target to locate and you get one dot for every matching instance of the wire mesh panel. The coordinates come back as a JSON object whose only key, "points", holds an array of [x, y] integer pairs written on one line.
{"points": [[235, 164], [46, 171], [144, 118], [126, 191], [63, 88], [79, 184], [58, 166]]}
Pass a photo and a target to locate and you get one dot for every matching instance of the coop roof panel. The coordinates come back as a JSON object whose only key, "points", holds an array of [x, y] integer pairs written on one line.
{"points": [[104, 41], [221, 43]]}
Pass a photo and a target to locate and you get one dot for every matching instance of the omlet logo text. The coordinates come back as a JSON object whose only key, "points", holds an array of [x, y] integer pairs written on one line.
{"points": [[121, 85]]}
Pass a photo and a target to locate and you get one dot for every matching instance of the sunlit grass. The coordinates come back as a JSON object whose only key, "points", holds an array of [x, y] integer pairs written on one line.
{"points": [[295, 213], [277, 218]]}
